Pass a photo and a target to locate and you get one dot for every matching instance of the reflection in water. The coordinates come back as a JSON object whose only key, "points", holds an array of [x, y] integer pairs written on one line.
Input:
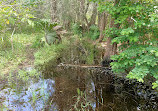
{"points": [[104, 90], [66, 86], [99, 92], [31, 99], [72, 89]]}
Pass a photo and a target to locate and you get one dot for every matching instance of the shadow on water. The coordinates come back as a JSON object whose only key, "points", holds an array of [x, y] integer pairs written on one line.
{"points": [[76, 89]]}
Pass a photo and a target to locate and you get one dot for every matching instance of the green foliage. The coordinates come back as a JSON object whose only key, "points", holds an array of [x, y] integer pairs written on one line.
{"points": [[93, 32], [140, 60], [77, 29], [81, 102], [48, 55], [39, 41], [51, 37], [44, 24], [90, 51], [5, 42], [72, 51], [137, 35], [29, 3], [26, 75], [10, 59], [12, 15]]}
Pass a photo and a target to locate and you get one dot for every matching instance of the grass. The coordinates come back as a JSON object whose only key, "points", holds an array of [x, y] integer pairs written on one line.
{"points": [[81, 102], [71, 50], [11, 59]]}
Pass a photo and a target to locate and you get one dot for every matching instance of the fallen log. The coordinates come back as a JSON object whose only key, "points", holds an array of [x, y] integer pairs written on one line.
{"points": [[80, 66]]}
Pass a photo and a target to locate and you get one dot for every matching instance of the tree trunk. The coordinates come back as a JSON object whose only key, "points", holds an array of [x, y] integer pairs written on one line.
{"points": [[102, 22], [82, 9], [108, 51], [111, 49], [94, 14], [99, 19], [54, 10]]}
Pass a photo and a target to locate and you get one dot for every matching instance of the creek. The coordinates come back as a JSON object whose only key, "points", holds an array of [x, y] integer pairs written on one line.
{"points": [[78, 89]]}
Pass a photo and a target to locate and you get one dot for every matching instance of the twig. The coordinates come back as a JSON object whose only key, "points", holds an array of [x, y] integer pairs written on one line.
{"points": [[133, 19]]}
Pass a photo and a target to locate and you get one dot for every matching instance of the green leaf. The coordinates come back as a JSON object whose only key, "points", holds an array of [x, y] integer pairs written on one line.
{"points": [[11, 20], [155, 85], [23, 19], [156, 54], [30, 22], [78, 91], [127, 31]]}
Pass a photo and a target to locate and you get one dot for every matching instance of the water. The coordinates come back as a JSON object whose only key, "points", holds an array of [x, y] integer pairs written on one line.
{"points": [[33, 98], [72, 89]]}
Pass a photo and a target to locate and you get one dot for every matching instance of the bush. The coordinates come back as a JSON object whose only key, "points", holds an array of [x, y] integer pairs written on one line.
{"points": [[93, 32], [39, 41], [73, 51], [77, 29], [48, 56]]}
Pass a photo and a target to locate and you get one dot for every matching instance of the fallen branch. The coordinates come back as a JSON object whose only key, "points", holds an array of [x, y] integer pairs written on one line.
{"points": [[79, 66]]}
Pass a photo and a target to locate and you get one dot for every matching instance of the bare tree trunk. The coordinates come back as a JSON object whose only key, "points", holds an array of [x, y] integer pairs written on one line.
{"points": [[114, 45], [84, 6], [54, 10], [82, 9], [108, 51], [111, 49], [94, 14], [99, 19], [78, 14], [102, 22]]}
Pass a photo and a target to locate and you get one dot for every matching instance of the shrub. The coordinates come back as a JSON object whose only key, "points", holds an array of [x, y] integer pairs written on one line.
{"points": [[93, 32]]}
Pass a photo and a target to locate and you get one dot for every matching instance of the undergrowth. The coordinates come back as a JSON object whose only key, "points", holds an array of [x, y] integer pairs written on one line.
{"points": [[11, 58], [70, 51]]}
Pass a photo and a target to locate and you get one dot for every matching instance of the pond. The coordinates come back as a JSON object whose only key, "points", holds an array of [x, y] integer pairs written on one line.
{"points": [[78, 89]]}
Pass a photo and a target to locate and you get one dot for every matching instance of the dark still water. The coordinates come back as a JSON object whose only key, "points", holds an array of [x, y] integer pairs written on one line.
{"points": [[76, 89]]}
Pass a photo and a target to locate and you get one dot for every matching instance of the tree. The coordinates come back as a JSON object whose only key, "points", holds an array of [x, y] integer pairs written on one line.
{"points": [[75, 11], [54, 10], [102, 23], [111, 48], [12, 15], [135, 24]]}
